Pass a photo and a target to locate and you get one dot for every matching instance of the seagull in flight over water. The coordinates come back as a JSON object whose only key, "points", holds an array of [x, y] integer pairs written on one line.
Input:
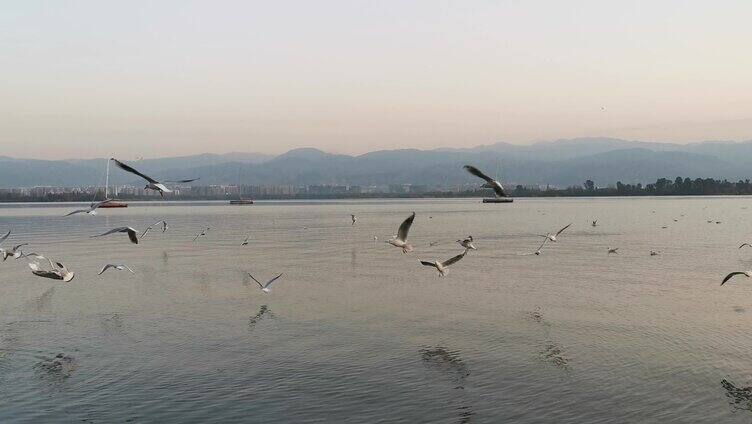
{"points": [[153, 184], [731, 275], [131, 233], [553, 237], [164, 227], [490, 182], [57, 270], [442, 266], [400, 240], [467, 243], [353, 218], [745, 244], [202, 233], [117, 267], [595, 223], [265, 287], [13, 252], [245, 242], [92, 210]]}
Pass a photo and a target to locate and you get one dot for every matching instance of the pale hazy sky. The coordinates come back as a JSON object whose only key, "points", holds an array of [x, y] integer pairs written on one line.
{"points": [[166, 78]]}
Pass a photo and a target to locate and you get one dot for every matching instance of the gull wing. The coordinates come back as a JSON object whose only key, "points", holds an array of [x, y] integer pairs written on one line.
{"points": [[562, 230], [745, 244], [254, 279], [454, 259], [132, 235], [98, 204], [731, 275], [183, 181], [404, 228], [543, 244], [105, 268], [426, 263], [127, 168], [2, 239], [271, 281], [76, 211], [477, 172], [112, 231]]}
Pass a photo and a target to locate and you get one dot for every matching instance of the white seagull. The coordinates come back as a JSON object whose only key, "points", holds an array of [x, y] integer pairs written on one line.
{"points": [[442, 266], [153, 184], [202, 233], [654, 253], [400, 240], [92, 210], [490, 182], [13, 252], [245, 242], [613, 250], [57, 270], [467, 243], [131, 233], [164, 227], [553, 237], [595, 223], [745, 244], [353, 218], [731, 275], [265, 287], [117, 267]]}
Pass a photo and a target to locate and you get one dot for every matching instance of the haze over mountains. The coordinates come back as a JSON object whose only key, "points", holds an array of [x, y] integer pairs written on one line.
{"points": [[559, 163]]}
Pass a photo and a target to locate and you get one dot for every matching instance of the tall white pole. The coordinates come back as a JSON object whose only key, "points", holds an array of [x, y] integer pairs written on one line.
{"points": [[107, 180]]}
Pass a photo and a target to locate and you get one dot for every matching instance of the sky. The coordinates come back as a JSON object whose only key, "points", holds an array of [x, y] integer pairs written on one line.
{"points": [[170, 78]]}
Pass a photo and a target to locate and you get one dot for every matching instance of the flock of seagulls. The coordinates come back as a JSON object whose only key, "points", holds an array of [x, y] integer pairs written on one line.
{"points": [[58, 271]]}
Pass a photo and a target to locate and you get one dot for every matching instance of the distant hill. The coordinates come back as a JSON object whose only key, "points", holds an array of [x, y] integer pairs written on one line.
{"points": [[559, 163]]}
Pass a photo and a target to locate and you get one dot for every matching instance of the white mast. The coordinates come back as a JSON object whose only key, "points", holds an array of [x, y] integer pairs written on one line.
{"points": [[107, 180]]}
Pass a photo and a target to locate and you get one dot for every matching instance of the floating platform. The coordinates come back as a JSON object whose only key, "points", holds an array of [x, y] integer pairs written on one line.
{"points": [[241, 202], [114, 204], [498, 200]]}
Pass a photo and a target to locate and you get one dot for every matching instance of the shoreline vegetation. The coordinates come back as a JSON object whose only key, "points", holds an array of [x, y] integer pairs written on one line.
{"points": [[662, 187]]}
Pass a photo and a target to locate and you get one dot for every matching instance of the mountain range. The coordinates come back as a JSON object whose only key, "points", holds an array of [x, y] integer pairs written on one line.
{"points": [[558, 163]]}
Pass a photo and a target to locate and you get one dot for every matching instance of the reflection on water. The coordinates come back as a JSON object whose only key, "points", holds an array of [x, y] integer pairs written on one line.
{"points": [[446, 361], [43, 302], [57, 368], [264, 310], [553, 353], [739, 397]]}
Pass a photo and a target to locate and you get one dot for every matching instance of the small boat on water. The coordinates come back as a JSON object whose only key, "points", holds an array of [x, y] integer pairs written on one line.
{"points": [[496, 200], [241, 201], [113, 203]]}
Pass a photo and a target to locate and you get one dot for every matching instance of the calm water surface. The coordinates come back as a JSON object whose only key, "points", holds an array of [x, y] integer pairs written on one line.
{"points": [[358, 332]]}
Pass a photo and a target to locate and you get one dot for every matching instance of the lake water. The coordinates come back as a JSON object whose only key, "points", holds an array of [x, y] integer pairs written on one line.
{"points": [[357, 332]]}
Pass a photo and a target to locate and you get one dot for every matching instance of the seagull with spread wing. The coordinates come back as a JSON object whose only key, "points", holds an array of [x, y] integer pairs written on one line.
{"points": [[490, 182], [467, 243], [164, 227], [353, 218], [400, 240], [442, 266], [153, 184], [745, 244], [57, 270], [130, 231], [91, 210], [14, 252], [202, 233], [553, 237], [114, 266], [265, 287]]}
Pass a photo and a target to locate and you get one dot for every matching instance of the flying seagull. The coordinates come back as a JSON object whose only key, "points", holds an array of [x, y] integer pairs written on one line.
{"points": [[13, 252], [595, 223], [731, 275], [265, 287], [467, 243], [92, 210], [553, 237], [490, 182], [117, 267], [57, 270], [245, 242], [153, 184], [202, 233], [352, 217], [745, 244], [164, 227], [654, 253], [442, 266], [400, 240], [131, 233], [613, 250]]}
